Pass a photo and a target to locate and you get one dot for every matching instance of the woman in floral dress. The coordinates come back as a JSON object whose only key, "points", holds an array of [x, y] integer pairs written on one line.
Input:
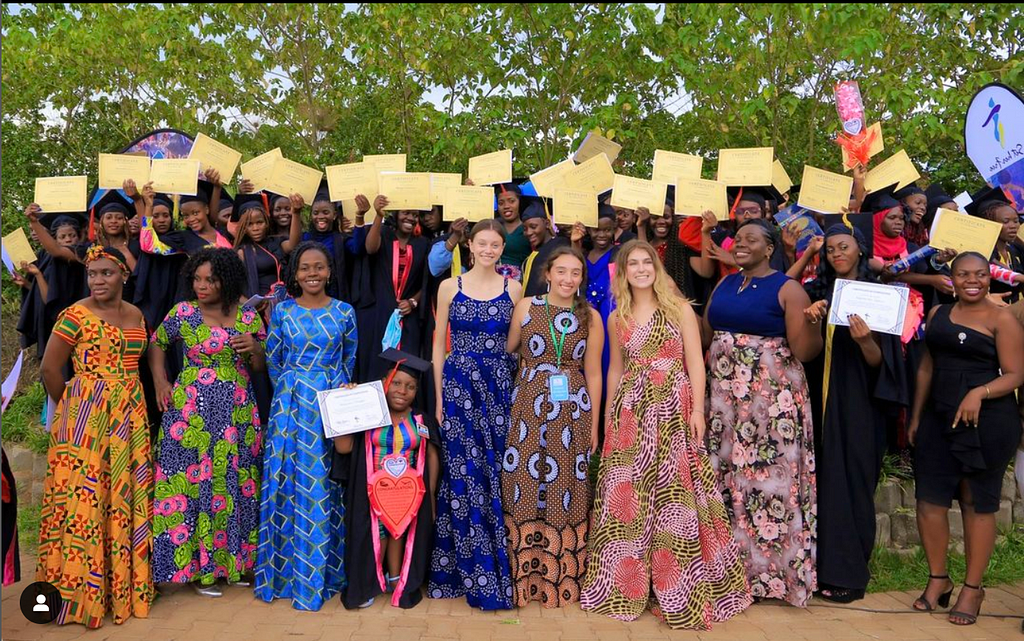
{"points": [[660, 535], [760, 435], [206, 508]]}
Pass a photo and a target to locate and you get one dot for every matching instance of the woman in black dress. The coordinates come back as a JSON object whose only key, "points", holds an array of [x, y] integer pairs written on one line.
{"points": [[965, 429]]}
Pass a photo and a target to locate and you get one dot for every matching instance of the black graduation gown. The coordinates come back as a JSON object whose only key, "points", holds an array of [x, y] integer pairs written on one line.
{"points": [[1016, 264], [67, 285], [360, 564], [263, 268], [374, 299], [344, 252], [849, 460], [537, 285], [11, 559]]}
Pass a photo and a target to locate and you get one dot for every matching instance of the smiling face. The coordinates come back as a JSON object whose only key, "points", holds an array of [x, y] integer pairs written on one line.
{"points": [[486, 246], [508, 206], [565, 275], [402, 392], [661, 227], [282, 212], [751, 246], [604, 235], [536, 231], [893, 222], [405, 221], [105, 280], [843, 253], [195, 215], [206, 286], [312, 272], [640, 270], [971, 278], [113, 223], [323, 215], [918, 205]]}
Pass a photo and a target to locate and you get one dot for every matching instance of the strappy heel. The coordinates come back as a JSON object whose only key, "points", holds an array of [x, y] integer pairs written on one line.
{"points": [[970, 618], [943, 600]]}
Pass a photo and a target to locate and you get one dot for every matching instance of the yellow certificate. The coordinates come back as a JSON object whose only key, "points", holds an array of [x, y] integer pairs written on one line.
{"points": [[780, 179], [595, 175], [117, 168], [17, 247], [492, 168], [695, 196], [823, 191], [469, 202], [406, 191], [345, 182], [259, 169], [595, 144], [633, 193], [964, 233], [386, 162], [62, 193], [175, 176], [573, 205], [439, 184], [896, 169], [547, 180], [750, 167], [290, 177], [670, 165], [214, 155], [877, 146]]}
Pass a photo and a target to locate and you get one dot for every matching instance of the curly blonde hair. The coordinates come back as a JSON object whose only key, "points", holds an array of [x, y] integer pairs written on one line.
{"points": [[671, 304]]}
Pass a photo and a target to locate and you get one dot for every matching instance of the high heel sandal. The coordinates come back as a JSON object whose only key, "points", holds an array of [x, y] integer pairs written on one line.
{"points": [[970, 618], [943, 600]]}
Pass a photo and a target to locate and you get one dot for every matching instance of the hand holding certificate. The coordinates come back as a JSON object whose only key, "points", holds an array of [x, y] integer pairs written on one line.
{"points": [[964, 233], [882, 307], [823, 191], [348, 410], [62, 193], [215, 155]]}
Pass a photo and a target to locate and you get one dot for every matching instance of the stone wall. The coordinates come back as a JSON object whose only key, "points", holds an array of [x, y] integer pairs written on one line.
{"points": [[29, 471]]}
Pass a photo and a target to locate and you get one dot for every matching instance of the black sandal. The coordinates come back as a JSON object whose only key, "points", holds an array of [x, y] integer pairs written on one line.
{"points": [[943, 600], [970, 618], [841, 595]]}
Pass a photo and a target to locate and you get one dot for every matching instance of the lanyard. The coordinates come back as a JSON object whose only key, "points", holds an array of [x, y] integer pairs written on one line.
{"points": [[277, 263], [399, 284], [559, 344]]}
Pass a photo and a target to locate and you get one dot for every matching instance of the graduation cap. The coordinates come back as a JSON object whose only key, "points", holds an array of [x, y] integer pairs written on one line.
{"points": [[323, 194], [399, 361], [245, 202], [670, 196], [985, 198], [863, 223], [53, 222], [164, 199], [226, 201], [504, 188], [111, 200], [204, 192], [534, 209], [908, 191], [880, 200], [937, 196], [604, 210], [759, 195]]}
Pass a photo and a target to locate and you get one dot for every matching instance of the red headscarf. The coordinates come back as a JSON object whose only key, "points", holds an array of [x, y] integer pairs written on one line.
{"points": [[886, 247]]}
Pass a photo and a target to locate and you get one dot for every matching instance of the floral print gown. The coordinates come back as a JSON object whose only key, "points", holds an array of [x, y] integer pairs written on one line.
{"points": [[207, 500]]}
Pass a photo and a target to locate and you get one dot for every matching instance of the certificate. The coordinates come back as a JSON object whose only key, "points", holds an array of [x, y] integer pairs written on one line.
{"points": [[670, 165], [634, 193], [175, 176], [780, 179], [492, 168], [896, 169], [823, 191], [594, 144], [750, 167], [62, 193], [345, 182], [550, 178], [406, 191], [877, 146], [694, 196], [289, 177], [17, 248], [351, 410], [882, 307], [469, 202], [439, 184], [386, 162], [963, 232], [258, 170], [572, 206], [117, 168], [214, 155], [595, 175]]}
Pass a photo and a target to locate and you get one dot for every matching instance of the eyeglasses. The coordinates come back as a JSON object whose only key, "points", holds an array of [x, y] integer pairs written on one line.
{"points": [[749, 211]]}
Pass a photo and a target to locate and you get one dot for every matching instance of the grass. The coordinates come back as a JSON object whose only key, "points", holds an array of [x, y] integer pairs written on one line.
{"points": [[901, 572], [28, 529], [21, 420]]}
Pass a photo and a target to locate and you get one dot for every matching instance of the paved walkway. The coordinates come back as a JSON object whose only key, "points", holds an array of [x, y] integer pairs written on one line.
{"points": [[181, 615]]}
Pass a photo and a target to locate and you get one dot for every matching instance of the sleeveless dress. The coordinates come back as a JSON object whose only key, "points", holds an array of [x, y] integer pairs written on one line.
{"points": [[761, 438], [470, 555], [545, 488], [660, 535]]}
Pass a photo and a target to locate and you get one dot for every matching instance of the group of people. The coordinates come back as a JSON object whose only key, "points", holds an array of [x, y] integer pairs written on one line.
{"points": [[740, 433]]}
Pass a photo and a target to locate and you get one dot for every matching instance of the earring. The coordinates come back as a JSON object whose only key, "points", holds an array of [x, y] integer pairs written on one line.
{"points": [[548, 290]]}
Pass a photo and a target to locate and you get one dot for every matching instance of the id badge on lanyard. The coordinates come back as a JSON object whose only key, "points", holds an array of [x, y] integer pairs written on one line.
{"points": [[558, 384]]}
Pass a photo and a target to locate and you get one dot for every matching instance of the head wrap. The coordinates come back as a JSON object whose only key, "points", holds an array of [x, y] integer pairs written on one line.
{"points": [[96, 252]]}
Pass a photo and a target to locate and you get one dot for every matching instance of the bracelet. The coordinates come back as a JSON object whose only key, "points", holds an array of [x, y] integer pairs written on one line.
{"points": [[988, 392]]}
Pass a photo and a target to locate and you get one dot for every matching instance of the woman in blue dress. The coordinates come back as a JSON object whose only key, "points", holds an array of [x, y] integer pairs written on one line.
{"points": [[474, 392], [311, 347]]}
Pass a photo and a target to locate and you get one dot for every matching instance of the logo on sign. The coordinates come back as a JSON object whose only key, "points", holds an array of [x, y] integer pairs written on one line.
{"points": [[997, 127]]}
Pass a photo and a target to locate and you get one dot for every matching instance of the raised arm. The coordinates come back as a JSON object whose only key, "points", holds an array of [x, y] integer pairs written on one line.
{"points": [[295, 230], [373, 237], [48, 242]]}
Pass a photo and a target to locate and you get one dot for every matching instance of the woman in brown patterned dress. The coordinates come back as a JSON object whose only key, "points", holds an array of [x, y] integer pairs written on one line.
{"points": [[545, 491]]}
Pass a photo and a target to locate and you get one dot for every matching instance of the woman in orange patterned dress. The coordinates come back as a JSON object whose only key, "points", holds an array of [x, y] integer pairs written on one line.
{"points": [[94, 539]]}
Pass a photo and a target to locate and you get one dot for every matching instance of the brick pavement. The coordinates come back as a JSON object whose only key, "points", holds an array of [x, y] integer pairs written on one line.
{"points": [[181, 615]]}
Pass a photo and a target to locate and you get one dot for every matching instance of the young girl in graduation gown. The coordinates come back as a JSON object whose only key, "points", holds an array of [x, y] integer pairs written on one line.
{"points": [[537, 228], [264, 256], [382, 555], [509, 198], [392, 275], [199, 232], [1006, 253], [341, 247], [862, 381]]}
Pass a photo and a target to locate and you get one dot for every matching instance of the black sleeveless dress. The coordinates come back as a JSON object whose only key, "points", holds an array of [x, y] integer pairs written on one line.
{"points": [[945, 454]]}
